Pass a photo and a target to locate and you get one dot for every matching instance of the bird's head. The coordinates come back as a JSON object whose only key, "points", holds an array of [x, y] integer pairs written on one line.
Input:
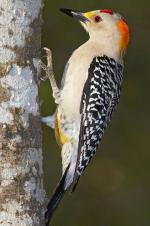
{"points": [[102, 25]]}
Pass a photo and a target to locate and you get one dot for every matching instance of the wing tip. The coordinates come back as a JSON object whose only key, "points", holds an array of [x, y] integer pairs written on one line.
{"points": [[74, 186]]}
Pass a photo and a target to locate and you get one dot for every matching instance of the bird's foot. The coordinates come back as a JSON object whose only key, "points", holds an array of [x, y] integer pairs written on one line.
{"points": [[48, 69], [50, 75]]}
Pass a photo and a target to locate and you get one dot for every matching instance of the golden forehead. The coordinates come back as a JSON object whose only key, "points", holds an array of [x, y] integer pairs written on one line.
{"points": [[89, 14]]}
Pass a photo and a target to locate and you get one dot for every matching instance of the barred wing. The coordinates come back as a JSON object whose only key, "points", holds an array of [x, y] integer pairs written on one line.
{"points": [[100, 96]]}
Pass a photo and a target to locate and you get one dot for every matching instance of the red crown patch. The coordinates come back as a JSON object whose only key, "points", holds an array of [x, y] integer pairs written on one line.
{"points": [[107, 11]]}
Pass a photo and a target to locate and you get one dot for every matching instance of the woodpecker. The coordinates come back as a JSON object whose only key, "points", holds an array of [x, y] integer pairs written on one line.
{"points": [[89, 93]]}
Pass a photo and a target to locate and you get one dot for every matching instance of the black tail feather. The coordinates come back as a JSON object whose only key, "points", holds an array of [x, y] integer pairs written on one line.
{"points": [[56, 198]]}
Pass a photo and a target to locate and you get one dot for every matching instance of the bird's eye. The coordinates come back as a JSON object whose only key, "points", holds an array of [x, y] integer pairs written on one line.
{"points": [[97, 19]]}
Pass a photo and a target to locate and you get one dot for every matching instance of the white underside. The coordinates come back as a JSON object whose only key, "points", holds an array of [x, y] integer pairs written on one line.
{"points": [[69, 156]]}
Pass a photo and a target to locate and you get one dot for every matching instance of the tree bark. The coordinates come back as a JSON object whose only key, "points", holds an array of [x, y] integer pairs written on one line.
{"points": [[22, 195]]}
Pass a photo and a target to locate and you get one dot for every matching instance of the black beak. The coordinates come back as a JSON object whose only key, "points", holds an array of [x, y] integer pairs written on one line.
{"points": [[75, 14]]}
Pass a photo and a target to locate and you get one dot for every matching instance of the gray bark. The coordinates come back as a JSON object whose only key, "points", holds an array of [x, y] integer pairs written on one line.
{"points": [[22, 195]]}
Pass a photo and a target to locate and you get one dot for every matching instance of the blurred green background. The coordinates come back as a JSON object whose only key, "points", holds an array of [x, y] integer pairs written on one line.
{"points": [[115, 188]]}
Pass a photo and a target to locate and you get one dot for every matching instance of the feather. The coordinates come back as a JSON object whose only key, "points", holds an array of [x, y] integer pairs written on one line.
{"points": [[99, 99], [56, 198]]}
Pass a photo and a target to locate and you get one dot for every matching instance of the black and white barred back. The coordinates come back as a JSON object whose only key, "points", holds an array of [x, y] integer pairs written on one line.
{"points": [[100, 96]]}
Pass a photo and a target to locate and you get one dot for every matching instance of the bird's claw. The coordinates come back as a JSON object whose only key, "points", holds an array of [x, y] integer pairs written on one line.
{"points": [[49, 56], [47, 50], [44, 67]]}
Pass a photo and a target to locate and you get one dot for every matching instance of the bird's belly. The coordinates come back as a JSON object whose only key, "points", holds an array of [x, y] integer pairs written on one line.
{"points": [[72, 92], [76, 76]]}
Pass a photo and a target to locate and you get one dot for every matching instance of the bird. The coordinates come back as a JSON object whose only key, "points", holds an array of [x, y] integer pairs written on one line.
{"points": [[89, 94]]}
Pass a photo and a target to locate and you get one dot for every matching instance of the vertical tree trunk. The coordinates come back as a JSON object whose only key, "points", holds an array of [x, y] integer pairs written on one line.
{"points": [[22, 195]]}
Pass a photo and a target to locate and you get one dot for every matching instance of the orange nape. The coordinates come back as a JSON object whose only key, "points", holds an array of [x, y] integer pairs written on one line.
{"points": [[125, 35]]}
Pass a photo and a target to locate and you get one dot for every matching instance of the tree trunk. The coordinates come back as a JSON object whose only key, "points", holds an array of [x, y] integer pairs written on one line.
{"points": [[22, 196]]}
